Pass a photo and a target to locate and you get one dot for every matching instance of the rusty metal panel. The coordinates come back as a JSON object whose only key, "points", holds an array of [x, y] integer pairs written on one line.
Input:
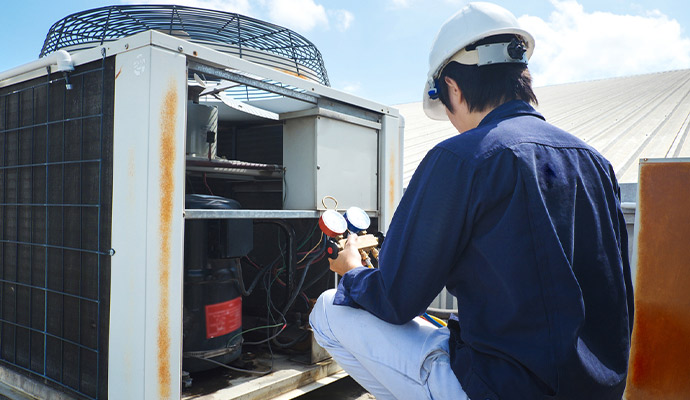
{"points": [[390, 168], [148, 205], [660, 354]]}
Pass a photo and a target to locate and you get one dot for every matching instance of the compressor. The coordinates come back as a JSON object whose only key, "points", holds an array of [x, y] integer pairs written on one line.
{"points": [[212, 314]]}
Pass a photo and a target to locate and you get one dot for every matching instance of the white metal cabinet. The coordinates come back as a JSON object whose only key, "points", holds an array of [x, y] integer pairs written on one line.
{"points": [[327, 154]]}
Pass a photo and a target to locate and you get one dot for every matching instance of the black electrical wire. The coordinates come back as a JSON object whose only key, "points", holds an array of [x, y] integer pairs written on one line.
{"points": [[240, 279], [291, 343], [259, 275], [246, 371], [291, 256], [274, 338], [298, 288], [247, 292], [315, 279], [302, 294], [268, 338], [292, 290], [268, 283]]}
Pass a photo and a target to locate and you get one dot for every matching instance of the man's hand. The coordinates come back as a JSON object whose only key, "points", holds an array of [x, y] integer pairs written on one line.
{"points": [[347, 259]]}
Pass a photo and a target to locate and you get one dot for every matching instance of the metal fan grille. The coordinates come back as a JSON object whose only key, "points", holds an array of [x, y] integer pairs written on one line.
{"points": [[257, 41]]}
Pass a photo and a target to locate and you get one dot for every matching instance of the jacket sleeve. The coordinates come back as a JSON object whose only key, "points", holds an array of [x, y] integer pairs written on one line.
{"points": [[428, 232]]}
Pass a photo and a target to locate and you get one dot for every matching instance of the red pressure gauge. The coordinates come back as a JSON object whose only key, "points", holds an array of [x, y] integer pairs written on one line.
{"points": [[332, 223]]}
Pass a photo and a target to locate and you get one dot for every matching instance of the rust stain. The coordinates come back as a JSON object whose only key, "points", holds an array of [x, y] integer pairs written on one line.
{"points": [[131, 165], [118, 73], [168, 117], [659, 360], [293, 73], [131, 172], [392, 168], [659, 367]]}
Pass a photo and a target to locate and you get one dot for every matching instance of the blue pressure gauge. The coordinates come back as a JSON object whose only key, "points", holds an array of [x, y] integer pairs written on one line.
{"points": [[357, 219]]}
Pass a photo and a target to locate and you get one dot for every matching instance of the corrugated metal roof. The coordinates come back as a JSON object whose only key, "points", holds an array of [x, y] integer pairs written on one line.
{"points": [[643, 116]]}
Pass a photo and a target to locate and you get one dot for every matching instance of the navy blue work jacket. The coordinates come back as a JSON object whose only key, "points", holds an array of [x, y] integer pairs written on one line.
{"points": [[522, 223]]}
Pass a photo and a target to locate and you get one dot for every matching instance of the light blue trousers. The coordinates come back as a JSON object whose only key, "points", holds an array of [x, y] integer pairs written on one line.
{"points": [[407, 361]]}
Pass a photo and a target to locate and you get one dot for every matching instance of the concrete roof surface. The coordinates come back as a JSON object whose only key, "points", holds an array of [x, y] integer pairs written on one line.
{"points": [[628, 118]]}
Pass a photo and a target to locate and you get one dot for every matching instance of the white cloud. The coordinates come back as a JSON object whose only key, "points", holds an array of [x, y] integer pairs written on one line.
{"points": [[343, 19], [409, 3], [574, 45], [242, 7], [400, 3], [458, 3], [300, 15]]}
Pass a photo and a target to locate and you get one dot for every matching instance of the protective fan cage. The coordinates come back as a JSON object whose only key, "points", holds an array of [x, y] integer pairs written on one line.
{"points": [[55, 213], [257, 41]]}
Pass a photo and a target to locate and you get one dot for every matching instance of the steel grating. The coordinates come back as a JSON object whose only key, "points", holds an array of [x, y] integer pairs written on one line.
{"points": [[55, 212], [248, 38]]}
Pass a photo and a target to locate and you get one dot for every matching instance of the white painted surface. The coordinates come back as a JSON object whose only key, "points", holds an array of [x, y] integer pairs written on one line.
{"points": [[335, 157], [390, 168], [145, 326]]}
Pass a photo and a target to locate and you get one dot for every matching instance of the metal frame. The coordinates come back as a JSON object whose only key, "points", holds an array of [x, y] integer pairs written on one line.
{"points": [[211, 57], [254, 214], [249, 81]]}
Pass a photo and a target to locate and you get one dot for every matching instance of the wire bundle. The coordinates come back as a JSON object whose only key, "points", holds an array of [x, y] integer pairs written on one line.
{"points": [[271, 273]]}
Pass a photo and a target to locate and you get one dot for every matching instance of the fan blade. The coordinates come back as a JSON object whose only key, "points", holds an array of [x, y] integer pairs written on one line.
{"points": [[223, 85], [246, 108], [199, 81]]}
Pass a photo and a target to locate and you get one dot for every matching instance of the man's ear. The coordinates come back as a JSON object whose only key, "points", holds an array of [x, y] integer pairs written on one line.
{"points": [[454, 92]]}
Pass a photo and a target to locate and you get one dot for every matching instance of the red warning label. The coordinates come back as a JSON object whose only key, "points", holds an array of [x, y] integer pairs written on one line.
{"points": [[223, 318]]}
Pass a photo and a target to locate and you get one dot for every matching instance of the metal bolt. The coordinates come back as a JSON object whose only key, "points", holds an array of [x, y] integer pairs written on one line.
{"points": [[126, 46], [318, 167], [111, 252], [180, 49]]}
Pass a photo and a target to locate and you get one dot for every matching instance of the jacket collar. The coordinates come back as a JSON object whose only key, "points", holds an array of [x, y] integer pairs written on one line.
{"points": [[510, 109]]}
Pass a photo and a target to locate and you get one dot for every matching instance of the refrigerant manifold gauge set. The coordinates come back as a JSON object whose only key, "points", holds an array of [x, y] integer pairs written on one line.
{"points": [[355, 220]]}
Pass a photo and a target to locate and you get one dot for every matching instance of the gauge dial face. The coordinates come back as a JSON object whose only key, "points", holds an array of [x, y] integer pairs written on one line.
{"points": [[332, 223], [357, 219]]}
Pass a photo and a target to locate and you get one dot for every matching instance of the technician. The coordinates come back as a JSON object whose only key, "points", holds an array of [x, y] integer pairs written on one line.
{"points": [[518, 219]]}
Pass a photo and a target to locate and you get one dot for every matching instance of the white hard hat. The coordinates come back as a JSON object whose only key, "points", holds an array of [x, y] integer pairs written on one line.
{"points": [[472, 23]]}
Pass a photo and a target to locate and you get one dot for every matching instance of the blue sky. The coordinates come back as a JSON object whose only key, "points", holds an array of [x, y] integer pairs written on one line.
{"points": [[378, 49]]}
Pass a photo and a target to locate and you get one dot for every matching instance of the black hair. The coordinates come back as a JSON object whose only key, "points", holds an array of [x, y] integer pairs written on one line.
{"points": [[489, 85]]}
